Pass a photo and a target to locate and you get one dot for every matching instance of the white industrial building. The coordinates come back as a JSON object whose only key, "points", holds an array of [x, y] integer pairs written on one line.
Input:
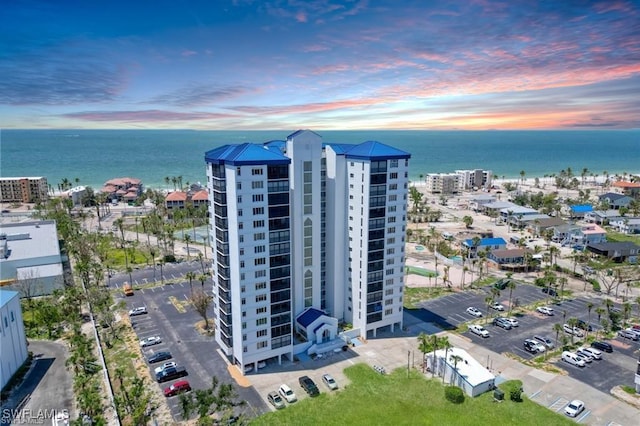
{"points": [[13, 341], [30, 259], [305, 235]]}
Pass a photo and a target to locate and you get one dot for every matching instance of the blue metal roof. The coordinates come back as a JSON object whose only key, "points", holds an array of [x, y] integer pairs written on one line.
{"points": [[244, 155], [309, 316], [6, 296], [276, 146], [341, 148], [372, 150], [582, 208], [486, 242]]}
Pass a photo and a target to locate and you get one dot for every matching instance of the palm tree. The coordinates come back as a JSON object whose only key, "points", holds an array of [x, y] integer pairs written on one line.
{"points": [[557, 328], [573, 323], [187, 240], [190, 276], [446, 345], [424, 346], [488, 300], [589, 307], [511, 285], [455, 359]]}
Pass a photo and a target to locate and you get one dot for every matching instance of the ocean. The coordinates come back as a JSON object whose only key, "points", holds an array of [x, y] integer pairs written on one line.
{"points": [[94, 156]]}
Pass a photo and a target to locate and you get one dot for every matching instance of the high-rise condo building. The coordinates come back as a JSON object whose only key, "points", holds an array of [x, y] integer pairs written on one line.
{"points": [[305, 235]]}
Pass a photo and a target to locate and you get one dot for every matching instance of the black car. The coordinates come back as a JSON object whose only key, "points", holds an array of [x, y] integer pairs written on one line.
{"points": [[583, 325], [603, 346], [550, 291], [171, 373], [159, 356], [309, 385]]}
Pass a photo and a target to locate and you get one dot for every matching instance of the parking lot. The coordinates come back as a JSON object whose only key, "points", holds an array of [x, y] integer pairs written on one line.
{"points": [[171, 318], [617, 368]]}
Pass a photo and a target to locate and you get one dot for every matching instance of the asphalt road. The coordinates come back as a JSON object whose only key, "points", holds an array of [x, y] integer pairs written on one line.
{"points": [[46, 390], [173, 320]]}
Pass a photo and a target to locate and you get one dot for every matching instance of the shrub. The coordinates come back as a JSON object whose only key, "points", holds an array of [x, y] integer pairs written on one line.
{"points": [[514, 389], [454, 394], [169, 258]]}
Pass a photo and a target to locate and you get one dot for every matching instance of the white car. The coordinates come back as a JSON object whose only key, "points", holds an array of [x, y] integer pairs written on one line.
{"points": [[514, 322], [165, 365], [329, 381], [497, 306], [287, 393], [545, 310], [474, 311], [573, 330], [140, 310], [150, 341], [479, 330], [573, 359], [586, 356], [574, 408], [596, 354]]}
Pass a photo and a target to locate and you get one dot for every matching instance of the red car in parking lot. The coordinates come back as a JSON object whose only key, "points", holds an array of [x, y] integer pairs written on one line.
{"points": [[178, 387]]}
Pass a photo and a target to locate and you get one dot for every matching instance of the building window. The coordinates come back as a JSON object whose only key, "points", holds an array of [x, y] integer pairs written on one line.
{"points": [[258, 223], [388, 311], [259, 249], [393, 164], [261, 286], [263, 344], [393, 175], [260, 274], [239, 199], [391, 230], [261, 333], [261, 298], [257, 184], [243, 301], [257, 198], [393, 186], [262, 310], [239, 212], [244, 325], [261, 321], [256, 211], [256, 172], [259, 236], [260, 261]]}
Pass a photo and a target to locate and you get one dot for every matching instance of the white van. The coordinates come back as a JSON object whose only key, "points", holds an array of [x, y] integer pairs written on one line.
{"points": [[447, 236], [572, 359]]}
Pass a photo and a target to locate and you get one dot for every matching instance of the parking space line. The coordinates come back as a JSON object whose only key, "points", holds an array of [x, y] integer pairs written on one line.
{"points": [[535, 394], [586, 413]]}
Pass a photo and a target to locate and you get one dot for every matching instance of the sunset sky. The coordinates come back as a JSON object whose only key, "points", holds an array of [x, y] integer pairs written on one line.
{"points": [[325, 64]]}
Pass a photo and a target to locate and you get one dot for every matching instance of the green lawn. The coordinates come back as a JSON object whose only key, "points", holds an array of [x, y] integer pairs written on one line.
{"points": [[394, 399]]}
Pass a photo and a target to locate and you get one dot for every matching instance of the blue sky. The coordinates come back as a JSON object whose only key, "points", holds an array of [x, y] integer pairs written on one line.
{"points": [[326, 64]]}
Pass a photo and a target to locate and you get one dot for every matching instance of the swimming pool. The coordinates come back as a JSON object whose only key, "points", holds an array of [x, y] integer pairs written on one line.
{"points": [[419, 248]]}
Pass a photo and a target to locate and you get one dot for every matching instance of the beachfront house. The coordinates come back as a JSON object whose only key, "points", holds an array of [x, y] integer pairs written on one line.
{"points": [[563, 234], [626, 225], [628, 188], [513, 215], [483, 244], [123, 189], [617, 251], [492, 209], [614, 200], [508, 258]]}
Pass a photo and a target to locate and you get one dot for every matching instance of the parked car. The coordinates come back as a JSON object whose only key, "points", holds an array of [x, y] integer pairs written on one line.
{"points": [[573, 330], [596, 354], [308, 385], [583, 325], [545, 341], [549, 291], [474, 311], [627, 334], [574, 408], [275, 400], [572, 359], [178, 387], [171, 373], [164, 366], [585, 355], [150, 341], [534, 346], [329, 381], [159, 356], [514, 322], [140, 310], [288, 394], [545, 310], [479, 330], [603, 346], [502, 322], [634, 331], [497, 306]]}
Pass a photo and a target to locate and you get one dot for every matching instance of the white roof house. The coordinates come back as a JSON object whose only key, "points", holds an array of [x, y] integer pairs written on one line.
{"points": [[466, 372]]}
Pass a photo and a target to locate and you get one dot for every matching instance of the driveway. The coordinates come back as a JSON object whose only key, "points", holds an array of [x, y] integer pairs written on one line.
{"points": [[46, 390]]}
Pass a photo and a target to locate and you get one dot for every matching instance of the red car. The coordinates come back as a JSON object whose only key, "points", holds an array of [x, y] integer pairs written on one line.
{"points": [[178, 387]]}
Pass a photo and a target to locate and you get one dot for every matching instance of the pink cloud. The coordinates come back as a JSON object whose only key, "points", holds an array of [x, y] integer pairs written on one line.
{"points": [[187, 53], [146, 115], [301, 17]]}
